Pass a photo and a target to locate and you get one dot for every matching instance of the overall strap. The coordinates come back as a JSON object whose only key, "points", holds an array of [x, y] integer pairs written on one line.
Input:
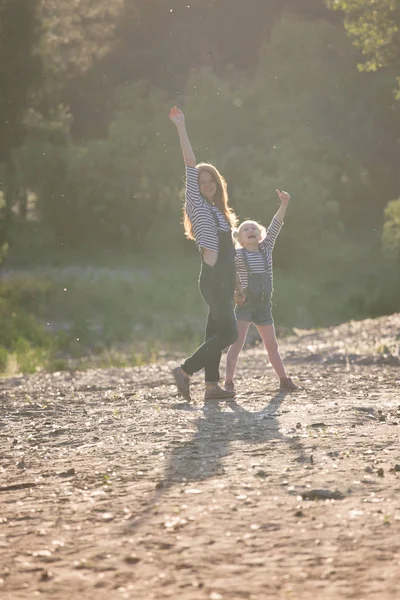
{"points": [[246, 260], [214, 216], [265, 259]]}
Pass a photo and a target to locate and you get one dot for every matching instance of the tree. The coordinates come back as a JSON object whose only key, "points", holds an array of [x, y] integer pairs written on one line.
{"points": [[77, 33], [20, 74], [374, 25], [311, 125], [106, 193], [391, 231], [20, 68]]}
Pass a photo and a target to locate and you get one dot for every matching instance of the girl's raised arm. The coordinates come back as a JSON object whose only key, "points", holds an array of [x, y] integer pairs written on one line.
{"points": [[178, 118], [277, 222], [285, 199]]}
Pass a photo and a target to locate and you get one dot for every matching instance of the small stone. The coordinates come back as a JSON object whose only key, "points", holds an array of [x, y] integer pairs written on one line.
{"points": [[380, 472], [322, 495], [42, 554], [69, 473], [46, 575], [132, 559], [262, 474], [107, 516]]}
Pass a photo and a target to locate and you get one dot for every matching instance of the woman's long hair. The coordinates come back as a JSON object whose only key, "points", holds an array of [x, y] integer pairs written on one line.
{"points": [[220, 200]]}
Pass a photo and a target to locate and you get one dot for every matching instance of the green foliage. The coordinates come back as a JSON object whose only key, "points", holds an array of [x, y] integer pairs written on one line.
{"points": [[108, 193], [117, 187], [285, 125], [20, 73], [288, 126], [374, 27], [20, 68], [117, 316], [76, 33], [22, 339], [3, 251], [40, 164], [391, 231]]}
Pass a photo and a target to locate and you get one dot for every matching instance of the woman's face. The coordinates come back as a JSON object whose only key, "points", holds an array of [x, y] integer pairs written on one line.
{"points": [[207, 185]]}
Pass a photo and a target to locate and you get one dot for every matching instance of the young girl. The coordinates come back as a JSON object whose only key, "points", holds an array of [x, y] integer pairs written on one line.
{"points": [[208, 220], [254, 291]]}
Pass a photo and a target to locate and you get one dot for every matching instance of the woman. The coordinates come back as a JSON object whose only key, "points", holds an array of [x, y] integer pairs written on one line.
{"points": [[208, 220]]}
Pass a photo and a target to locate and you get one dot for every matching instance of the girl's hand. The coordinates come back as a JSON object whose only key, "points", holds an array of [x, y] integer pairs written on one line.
{"points": [[240, 297], [283, 197], [176, 116]]}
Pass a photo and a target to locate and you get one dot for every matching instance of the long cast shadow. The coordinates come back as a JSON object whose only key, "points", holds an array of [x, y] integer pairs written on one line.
{"points": [[202, 457]]}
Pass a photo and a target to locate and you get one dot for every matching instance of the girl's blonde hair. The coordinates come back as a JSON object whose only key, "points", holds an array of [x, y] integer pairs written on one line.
{"points": [[220, 200], [236, 232]]}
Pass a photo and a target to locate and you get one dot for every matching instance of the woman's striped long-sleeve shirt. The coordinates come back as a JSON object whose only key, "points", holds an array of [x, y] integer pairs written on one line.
{"points": [[257, 262], [199, 213]]}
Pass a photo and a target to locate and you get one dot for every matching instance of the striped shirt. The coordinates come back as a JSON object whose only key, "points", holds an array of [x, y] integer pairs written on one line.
{"points": [[199, 212], [256, 259]]}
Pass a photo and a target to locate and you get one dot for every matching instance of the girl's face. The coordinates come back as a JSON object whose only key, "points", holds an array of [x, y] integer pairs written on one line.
{"points": [[249, 234], [207, 185]]}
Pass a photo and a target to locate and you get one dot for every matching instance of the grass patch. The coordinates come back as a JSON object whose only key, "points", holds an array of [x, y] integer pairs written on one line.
{"points": [[79, 317], [83, 316]]}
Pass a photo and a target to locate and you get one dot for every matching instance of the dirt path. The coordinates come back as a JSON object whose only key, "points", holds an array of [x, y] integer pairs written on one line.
{"points": [[113, 488]]}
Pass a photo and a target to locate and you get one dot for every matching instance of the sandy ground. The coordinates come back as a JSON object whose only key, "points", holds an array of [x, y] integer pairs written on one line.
{"points": [[112, 487]]}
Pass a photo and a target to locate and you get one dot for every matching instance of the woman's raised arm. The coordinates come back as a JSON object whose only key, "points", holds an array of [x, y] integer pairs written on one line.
{"points": [[178, 118]]}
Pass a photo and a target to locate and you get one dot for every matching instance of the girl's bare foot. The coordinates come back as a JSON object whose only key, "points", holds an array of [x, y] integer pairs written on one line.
{"points": [[229, 386], [287, 385]]}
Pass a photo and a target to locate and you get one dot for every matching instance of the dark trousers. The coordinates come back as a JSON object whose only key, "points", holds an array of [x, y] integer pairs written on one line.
{"points": [[217, 285]]}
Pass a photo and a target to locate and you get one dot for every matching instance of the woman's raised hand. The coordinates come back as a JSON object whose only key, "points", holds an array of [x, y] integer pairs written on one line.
{"points": [[176, 116]]}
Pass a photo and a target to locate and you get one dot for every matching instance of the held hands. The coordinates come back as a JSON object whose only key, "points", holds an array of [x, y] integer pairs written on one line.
{"points": [[177, 116], [240, 297], [283, 197]]}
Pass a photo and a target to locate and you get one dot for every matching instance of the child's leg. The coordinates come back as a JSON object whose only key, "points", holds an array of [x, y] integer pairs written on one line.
{"points": [[267, 333], [234, 350]]}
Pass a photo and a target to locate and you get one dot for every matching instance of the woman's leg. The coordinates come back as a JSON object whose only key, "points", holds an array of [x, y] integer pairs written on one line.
{"points": [[211, 368], [221, 330], [267, 333], [234, 351], [208, 356]]}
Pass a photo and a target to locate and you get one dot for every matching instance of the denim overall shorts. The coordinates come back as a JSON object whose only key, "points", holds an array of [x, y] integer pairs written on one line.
{"points": [[257, 306]]}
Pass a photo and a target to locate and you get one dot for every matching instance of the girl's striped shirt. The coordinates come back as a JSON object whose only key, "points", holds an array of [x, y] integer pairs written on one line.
{"points": [[256, 259], [199, 212]]}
